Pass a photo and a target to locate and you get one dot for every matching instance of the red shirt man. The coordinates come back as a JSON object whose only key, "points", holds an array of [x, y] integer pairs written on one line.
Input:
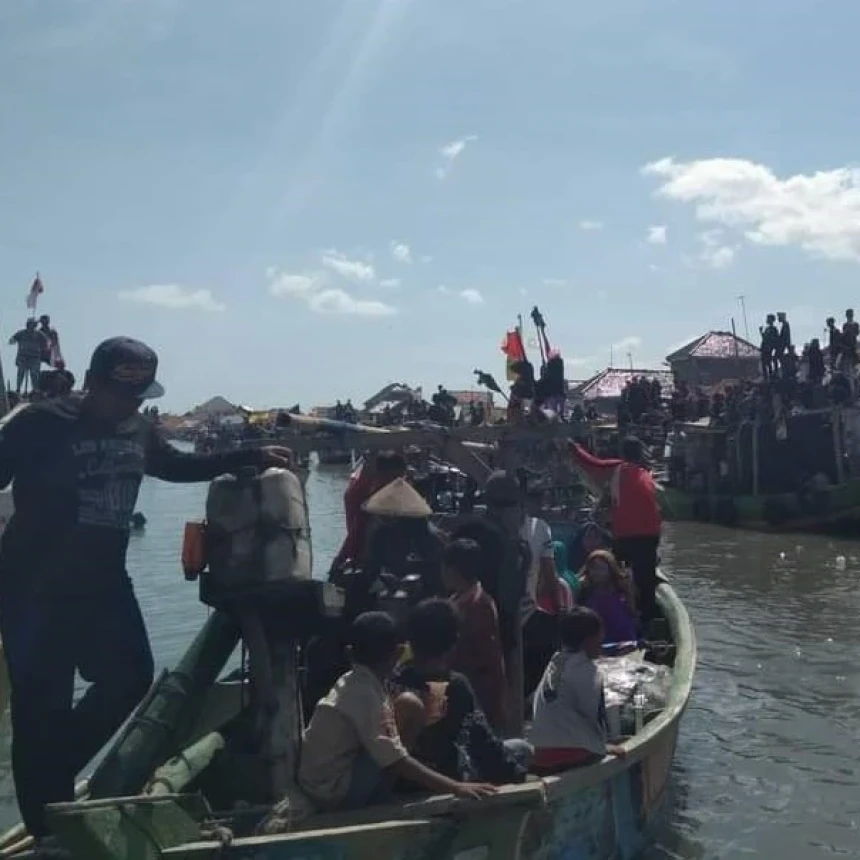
{"points": [[634, 514]]}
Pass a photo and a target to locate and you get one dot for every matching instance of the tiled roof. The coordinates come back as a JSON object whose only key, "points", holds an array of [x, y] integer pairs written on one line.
{"points": [[716, 344], [465, 398], [610, 383]]}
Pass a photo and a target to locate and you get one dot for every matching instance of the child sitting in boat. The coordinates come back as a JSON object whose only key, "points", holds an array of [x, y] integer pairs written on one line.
{"points": [[569, 728], [478, 652], [607, 590], [452, 734], [352, 751]]}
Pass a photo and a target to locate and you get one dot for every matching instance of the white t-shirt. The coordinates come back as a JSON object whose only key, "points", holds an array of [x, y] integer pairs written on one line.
{"points": [[537, 534], [569, 708]]}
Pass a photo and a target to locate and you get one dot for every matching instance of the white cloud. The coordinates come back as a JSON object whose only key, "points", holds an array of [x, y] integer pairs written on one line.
{"points": [[627, 344], [426, 259], [554, 282], [656, 235], [442, 289], [337, 301], [718, 258], [590, 225], [401, 252], [312, 289], [523, 291], [353, 270], [173, 296], [473, 297], [450, 152], [715, 252], [284, 284], [390, 282], [818, 212]]}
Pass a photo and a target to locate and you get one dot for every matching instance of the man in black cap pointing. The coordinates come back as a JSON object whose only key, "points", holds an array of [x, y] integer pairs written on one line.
{"points": [[66, 601]]}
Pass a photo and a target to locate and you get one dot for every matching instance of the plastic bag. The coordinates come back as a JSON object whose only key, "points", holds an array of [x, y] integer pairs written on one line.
{"points": [[621, 678]]}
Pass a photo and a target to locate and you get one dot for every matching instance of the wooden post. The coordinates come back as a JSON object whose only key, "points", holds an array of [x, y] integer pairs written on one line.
{"points": [[836, 422], [755, 458]]}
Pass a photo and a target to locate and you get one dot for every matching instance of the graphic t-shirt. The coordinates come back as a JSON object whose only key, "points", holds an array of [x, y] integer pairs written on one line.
{"points": [[76, 481]]}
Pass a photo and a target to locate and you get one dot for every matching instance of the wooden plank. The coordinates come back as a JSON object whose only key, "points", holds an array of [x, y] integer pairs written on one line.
{"points": [[383, 839]]}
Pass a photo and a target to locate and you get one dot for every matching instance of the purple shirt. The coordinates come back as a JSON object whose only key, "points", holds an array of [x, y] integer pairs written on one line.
{"points": [[619, 623]]}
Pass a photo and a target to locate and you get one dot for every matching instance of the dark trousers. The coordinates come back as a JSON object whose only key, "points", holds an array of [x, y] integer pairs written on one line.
{"points": [[103, 637], [540, 642], [641, 554]]}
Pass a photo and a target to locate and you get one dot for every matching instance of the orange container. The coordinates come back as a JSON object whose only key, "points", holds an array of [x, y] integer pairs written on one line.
{"points": [[193, 550]]}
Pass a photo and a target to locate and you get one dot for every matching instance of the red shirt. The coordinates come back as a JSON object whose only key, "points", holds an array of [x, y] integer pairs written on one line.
{"points": [[478, 654], [360, 488], [634, 511]]}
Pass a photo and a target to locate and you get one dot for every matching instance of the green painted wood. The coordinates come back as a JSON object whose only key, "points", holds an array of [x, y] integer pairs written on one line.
{"points": [[133, 827]]}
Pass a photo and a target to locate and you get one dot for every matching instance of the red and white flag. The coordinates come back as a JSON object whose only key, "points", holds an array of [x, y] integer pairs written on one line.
{"points": [[36, 290]]}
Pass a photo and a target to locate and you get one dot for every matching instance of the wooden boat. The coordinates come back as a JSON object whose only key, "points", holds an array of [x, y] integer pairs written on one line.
{"points": [[799, 474], [605, 811], [145, 801]]}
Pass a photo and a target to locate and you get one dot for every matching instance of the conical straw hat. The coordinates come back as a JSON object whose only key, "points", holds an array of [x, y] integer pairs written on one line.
{"points": [[398, 499]]}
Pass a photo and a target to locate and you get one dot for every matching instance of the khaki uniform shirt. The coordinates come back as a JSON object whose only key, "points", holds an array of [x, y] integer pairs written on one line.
{"points": [[356, 716]]}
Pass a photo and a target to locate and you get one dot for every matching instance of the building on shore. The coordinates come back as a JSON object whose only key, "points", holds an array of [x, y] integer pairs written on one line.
{"points": [[392, 400], [715, 358], [603, 390]]}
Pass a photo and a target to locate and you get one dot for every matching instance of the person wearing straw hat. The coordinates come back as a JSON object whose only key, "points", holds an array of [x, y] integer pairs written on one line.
{"points": [[371, 476], [401, 541]]}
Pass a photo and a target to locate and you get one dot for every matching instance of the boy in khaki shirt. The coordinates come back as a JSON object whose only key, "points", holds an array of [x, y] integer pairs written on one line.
{"points": [[352, 751]]}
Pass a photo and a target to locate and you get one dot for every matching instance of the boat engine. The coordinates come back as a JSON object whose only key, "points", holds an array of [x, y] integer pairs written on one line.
{"points": [[258, 557]]}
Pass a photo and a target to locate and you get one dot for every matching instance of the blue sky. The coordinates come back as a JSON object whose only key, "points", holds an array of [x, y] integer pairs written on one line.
{"points": [[298, 201]]}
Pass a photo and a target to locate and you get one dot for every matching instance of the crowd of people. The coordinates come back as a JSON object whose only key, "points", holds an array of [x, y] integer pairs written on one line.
{"points": [[426, 700]]}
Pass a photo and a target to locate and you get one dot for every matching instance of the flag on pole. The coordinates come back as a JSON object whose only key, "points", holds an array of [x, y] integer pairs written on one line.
{"points": [[36, 290], [512, 347]]}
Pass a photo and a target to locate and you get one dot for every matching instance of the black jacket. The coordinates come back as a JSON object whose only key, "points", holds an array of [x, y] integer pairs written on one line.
{"points": [[76, 481]]}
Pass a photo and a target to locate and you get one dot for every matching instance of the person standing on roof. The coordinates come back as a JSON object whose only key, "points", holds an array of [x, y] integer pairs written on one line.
{"points": [[66, 601], [634, 514]]}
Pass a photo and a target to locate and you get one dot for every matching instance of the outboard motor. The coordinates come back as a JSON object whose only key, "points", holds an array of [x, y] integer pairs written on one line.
{"points": [[258, 568], [257, 539], [252, 559]]}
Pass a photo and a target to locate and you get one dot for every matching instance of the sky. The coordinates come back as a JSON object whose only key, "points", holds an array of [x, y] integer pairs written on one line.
{"points": [[303, 201]]}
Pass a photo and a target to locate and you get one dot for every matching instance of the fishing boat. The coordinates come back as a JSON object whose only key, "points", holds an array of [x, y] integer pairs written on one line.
{"points": [[605, 811], [800, 473], [183, 780]]}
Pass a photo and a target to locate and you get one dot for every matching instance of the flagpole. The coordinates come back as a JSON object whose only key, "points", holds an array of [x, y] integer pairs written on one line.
{"points": [[33, 298]]}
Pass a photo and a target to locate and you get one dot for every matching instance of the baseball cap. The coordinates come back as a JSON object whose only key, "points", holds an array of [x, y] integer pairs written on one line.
{"points": [[127, 365]]}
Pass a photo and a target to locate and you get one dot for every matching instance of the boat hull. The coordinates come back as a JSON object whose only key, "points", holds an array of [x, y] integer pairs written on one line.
{"points": [[603, 812], [837, 509]]}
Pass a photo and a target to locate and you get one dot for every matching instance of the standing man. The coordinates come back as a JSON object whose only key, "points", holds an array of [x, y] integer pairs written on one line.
{"points": [[31, 344], [66, 601], [634, 514]]}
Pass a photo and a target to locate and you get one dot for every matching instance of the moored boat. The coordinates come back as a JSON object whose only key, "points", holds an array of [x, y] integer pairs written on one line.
{"points": [[799, 473]]}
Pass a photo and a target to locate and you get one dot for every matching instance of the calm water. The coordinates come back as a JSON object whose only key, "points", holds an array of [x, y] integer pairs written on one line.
{"points": [[769, 759]]}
